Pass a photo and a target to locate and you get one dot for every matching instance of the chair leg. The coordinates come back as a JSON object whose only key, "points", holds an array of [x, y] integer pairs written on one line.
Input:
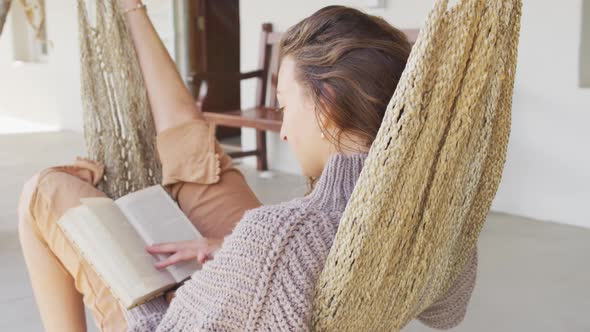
{"points": [[262, 161]]}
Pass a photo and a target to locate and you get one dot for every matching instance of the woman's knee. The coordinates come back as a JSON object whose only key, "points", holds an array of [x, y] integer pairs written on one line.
{"points": [[78, 178], [61, 190], [25, 197], [31, 188], [26, 229], [48, 194]]}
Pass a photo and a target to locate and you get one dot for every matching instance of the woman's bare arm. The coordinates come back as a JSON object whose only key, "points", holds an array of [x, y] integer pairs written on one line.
{"points": [[170, 99]]}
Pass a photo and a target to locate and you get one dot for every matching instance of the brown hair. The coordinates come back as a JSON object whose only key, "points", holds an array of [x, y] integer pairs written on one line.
{"points": [[349, 62]]}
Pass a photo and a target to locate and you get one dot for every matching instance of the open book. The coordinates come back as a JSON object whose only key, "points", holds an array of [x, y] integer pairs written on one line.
{"points": [[112, 234]]}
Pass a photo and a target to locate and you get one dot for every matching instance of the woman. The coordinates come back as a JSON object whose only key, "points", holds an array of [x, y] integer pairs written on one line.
{"points": [[339, 69]]}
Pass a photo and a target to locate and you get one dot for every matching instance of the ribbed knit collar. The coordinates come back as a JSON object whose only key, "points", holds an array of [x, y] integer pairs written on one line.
{"points": [[336, 183]]}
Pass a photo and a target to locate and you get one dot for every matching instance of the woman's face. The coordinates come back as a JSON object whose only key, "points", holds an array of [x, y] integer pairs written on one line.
{"points": [[300, 126]]}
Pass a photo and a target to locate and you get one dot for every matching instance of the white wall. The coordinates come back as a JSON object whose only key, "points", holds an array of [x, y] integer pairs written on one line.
{"points": [[46, 93], [546, 175], [49, 93]]}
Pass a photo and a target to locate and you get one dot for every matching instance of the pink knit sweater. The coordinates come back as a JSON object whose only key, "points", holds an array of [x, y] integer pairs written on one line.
{"points": [[263, 277]]}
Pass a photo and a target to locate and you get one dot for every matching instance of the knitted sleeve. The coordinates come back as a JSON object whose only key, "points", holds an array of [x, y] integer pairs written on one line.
{"points": [[450, 309], [146, 317], [226, 294], [289, 299]]}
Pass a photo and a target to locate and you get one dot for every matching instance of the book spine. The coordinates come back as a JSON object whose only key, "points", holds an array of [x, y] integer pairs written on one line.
{"points": [[83, 257], [147, 299]]}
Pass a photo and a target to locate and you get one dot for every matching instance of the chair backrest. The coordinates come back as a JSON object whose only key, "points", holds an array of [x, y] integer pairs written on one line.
{"points": [[269, 62]]}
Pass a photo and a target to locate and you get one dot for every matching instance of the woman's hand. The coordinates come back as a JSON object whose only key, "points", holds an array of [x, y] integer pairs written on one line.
{"points": [[201, 249]]}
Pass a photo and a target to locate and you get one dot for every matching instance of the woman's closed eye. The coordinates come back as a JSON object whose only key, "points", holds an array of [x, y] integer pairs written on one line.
{"points": [[280, 109]]}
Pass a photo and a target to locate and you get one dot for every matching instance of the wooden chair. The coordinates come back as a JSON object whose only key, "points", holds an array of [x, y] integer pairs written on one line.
{"points": [[264, 116]]}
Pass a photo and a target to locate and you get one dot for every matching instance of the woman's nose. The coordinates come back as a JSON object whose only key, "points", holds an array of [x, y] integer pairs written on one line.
{"points": [[282, 133]]}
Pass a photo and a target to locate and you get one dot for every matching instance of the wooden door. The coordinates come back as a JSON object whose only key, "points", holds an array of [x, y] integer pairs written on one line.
{"points": [[215, 47]]}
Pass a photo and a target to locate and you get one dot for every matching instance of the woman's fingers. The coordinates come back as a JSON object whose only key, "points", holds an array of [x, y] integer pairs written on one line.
{"points": [[173, 259], [202, 257], [167, 247], [202, 249]]}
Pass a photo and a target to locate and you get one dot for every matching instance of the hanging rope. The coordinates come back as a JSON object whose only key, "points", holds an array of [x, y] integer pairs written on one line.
{"points": [[4, 7], [118, 125], [427, 184], [431, 174], [34, 13]]}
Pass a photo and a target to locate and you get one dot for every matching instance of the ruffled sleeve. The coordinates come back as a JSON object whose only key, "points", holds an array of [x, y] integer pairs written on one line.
{"points": [[188, 153]]}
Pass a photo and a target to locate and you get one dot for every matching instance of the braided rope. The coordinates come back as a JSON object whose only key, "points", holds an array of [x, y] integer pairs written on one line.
{"points": [[4, 7], [431, 174], [118, 125], [427, 184]]}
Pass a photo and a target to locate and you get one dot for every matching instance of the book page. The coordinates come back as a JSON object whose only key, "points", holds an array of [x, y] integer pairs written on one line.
{"points": [[158, 219], [116, 251]]}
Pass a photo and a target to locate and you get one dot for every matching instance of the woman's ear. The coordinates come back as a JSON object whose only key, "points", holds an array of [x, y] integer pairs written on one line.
{"points": [[325, 125]]}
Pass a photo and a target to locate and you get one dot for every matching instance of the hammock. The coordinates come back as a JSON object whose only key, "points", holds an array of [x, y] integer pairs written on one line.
{"points": [[118, 126], [34, 12], [431, 174], [4, 7], [427, 184], [428, 181]]}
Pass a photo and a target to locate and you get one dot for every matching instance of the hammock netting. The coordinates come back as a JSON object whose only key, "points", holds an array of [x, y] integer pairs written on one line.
{"points": [[4, 7], [427, 184], [431, 174], [34, 12], [118, 125]]}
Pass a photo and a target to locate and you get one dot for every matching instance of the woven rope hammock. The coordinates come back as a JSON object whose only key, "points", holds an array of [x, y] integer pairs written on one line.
{"points": [[4, 7], [34, 12], [427, 184], [118, 125], [431, 174]]}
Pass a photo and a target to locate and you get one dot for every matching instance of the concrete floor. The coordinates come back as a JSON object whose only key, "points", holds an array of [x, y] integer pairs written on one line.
{"points": [[532, 276]]}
